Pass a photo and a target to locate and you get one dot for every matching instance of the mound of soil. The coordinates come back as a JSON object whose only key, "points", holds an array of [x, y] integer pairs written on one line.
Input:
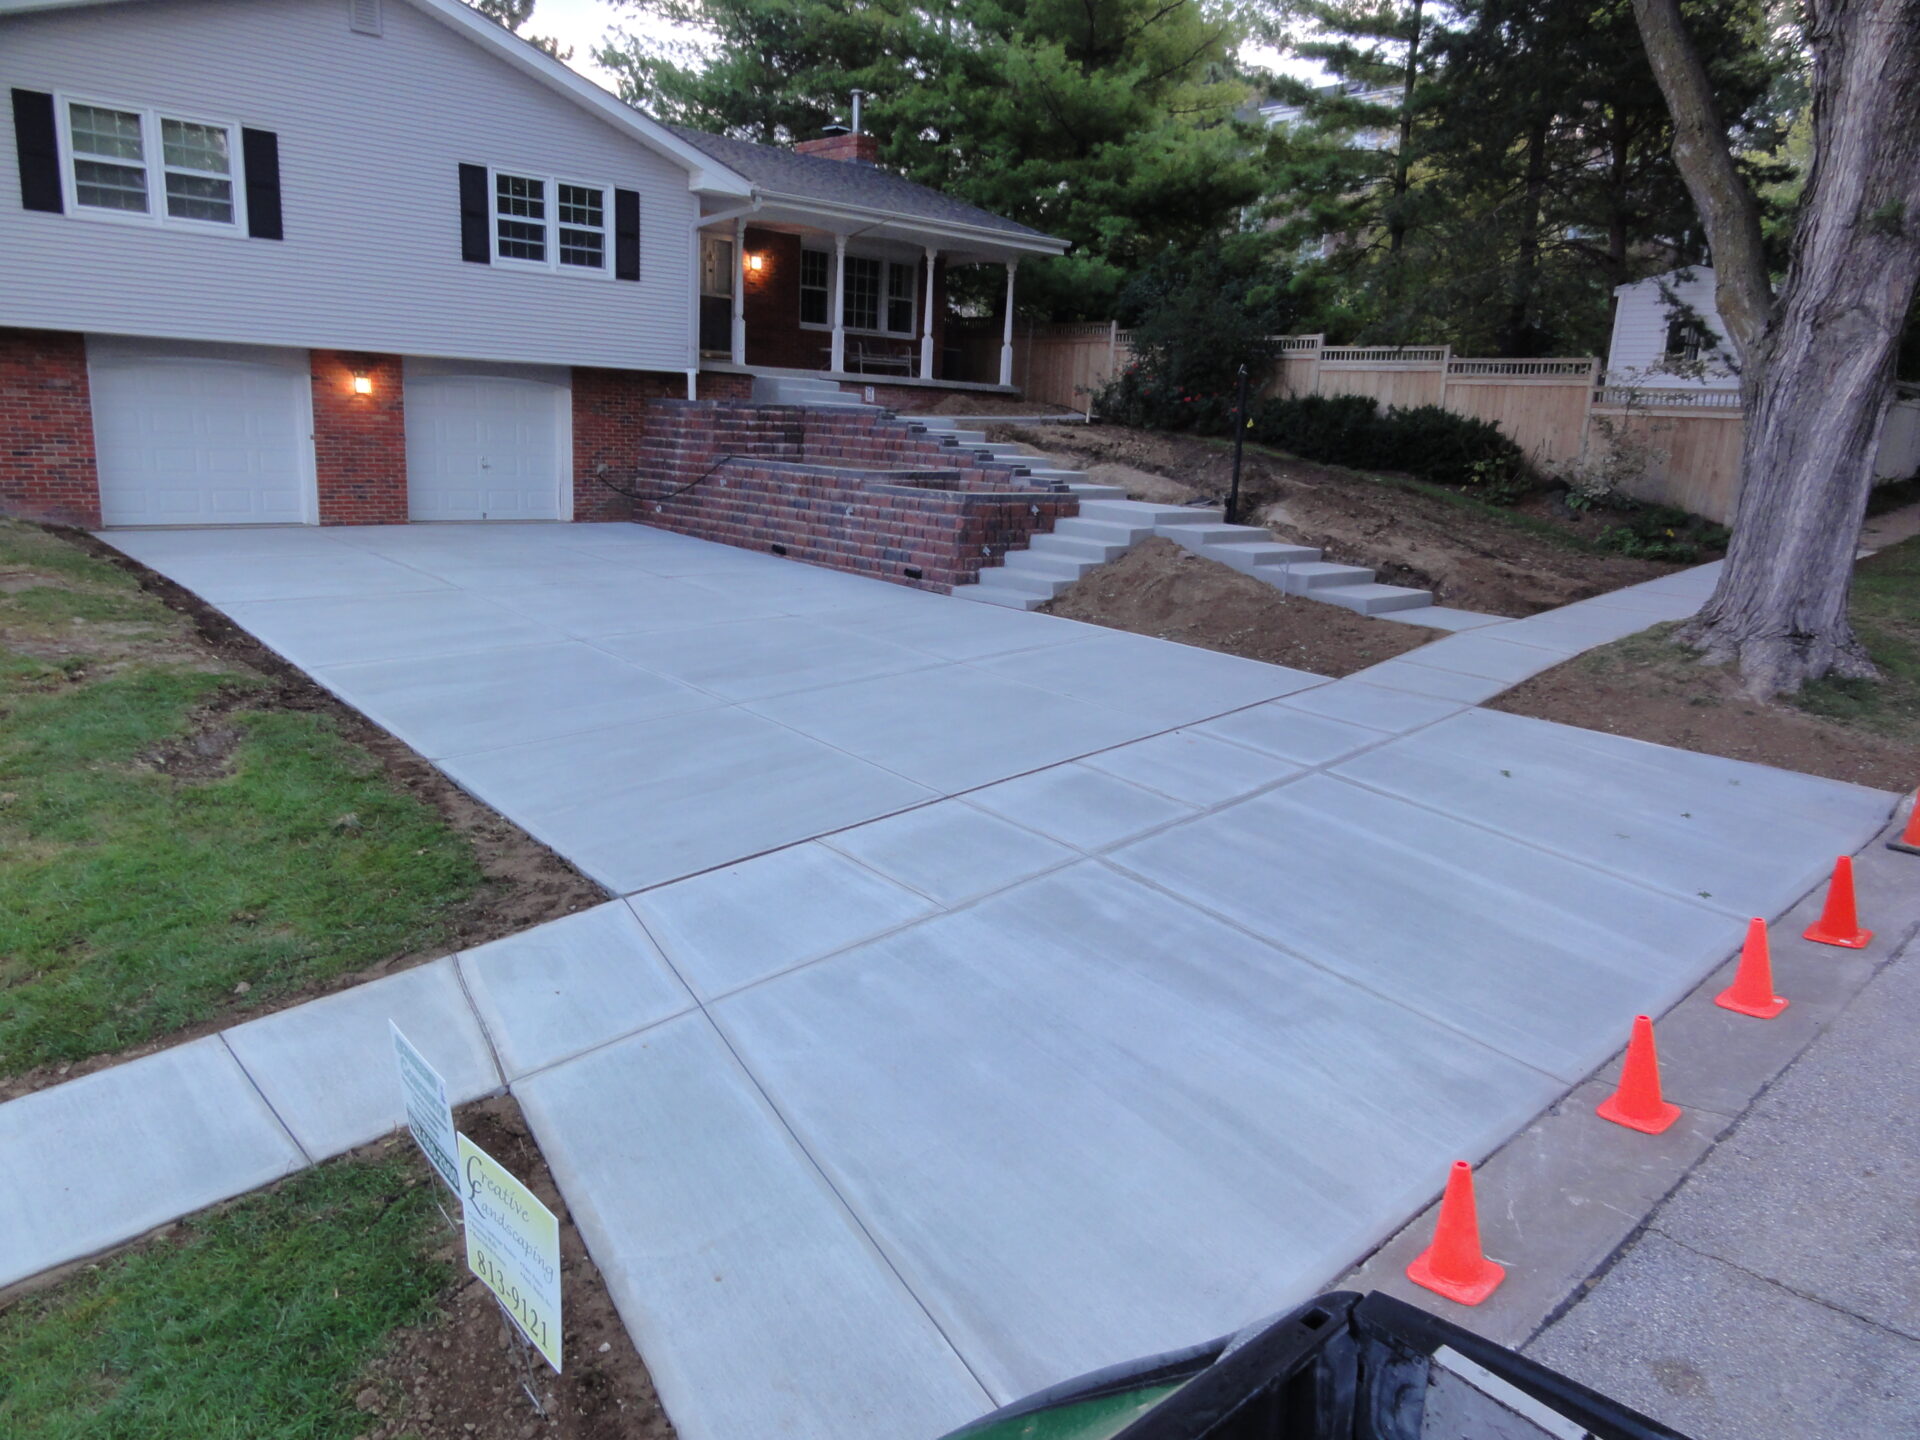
{"points": [[461, 1376], [1494, 562], [1158, 589]]}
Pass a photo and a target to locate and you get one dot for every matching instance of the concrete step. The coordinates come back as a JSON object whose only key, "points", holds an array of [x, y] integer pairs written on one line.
{"points": [[1110, 532], [1011, 587], [1373, 599], [1084, 490], [1046, 564], [1324, 575], [1138, 512], [999, 595], [1069, 477], [1093, 552], [1192, 535], [1270, 558]]}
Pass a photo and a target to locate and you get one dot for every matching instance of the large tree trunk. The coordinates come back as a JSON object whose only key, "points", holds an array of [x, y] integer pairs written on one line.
{"points": [[1816, 363], [1403, 159]]}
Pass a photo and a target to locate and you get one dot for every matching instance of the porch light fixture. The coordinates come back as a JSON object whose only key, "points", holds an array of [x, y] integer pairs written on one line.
{"points": [[756, 262], [362, 383]]}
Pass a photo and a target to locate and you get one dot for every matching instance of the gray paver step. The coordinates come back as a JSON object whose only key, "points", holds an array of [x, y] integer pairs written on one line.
{"points": [[1374, 599], [1076, 547], [1324, 575], [1272, 558], [1138, 512], [1085, 527], [1049, 564]]}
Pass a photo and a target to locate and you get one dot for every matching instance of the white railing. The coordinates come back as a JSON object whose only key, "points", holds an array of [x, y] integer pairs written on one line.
{"points": [[1664, 397], [1520, 369], [1386, 355]]}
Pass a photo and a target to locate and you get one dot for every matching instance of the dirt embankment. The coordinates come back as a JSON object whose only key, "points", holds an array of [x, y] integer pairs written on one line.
{"points": [[1159, 589], [1498, 563]]}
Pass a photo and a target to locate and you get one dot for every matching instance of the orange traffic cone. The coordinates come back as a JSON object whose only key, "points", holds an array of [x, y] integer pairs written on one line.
{"points": [[1838, 925], [1751, 992], [1909, 840], [1637, 1103], [1453, 1265]]}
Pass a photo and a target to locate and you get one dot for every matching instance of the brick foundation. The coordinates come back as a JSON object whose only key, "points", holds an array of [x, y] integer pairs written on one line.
{"points": [[47, 469], [359, 441], [861, 492]]}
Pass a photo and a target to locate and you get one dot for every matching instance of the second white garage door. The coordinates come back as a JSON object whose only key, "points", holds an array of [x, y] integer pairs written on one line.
{"points": [[487, 443]]}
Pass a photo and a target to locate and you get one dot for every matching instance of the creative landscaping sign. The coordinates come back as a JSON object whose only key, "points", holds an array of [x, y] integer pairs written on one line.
{"points": [[429, 1116], [513, 1245]]}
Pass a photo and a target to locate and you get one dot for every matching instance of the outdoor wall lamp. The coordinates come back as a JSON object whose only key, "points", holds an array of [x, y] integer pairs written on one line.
{"points": [[362, 383], [756, 262]]}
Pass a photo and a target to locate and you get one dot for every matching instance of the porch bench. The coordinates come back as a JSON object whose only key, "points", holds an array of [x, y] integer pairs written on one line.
{"points": [[866, 359]]}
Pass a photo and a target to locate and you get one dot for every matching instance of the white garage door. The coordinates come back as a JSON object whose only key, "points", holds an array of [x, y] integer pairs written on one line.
{"points": [[201, 434], [487, 444]]}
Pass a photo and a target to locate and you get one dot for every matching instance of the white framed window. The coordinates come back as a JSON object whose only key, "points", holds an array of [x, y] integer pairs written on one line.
{"points": [[900, 288], [544, 223], [816, 286], [880, 298], [125, 162]]}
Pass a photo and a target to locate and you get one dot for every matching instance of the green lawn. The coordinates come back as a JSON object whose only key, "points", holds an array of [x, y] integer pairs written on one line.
{"points": [[134, 901], [1886, 615], [249, 1322]]}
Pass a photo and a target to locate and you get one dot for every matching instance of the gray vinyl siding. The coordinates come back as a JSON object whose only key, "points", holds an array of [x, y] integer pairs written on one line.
{"points": [[372, 131]]}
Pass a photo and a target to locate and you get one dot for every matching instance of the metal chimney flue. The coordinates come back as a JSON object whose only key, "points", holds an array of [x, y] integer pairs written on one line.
{"points": [[858, 95]]}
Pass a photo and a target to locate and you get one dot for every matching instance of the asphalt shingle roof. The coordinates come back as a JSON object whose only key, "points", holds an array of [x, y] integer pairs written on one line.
{"points": [[843, 182]]}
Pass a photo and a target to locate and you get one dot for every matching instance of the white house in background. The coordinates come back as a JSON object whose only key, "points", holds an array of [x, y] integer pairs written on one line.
{"points": [[1667, 333], [351, 261]]}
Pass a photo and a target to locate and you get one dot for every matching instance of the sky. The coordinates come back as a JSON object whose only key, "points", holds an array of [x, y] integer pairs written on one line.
{"points": [[582, 23]]}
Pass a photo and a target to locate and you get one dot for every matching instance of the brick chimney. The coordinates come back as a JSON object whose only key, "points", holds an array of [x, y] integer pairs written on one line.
{"points": [[865, 149]]}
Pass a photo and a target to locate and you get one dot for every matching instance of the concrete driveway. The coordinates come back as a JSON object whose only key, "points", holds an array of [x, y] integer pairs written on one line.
{"points": [[994, 997]]}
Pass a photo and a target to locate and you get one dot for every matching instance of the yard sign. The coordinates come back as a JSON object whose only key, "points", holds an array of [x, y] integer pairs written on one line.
{"points": [[513, 1245], [429, 1116]]}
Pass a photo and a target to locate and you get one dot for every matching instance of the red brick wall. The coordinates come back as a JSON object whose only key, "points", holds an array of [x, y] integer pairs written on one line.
{"points": [[772, 303], [862, 148], [856, 492], [609, 426], [359, 441], [47, 469]]}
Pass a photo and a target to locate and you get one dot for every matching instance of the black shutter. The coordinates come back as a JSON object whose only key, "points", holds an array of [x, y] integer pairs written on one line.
{"points": [[260, 159], [626, 234], [38, 140], [475, 247]]}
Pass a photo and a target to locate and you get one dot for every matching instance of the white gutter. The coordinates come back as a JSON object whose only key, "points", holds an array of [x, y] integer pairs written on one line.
{"points": [[1033, 243]]}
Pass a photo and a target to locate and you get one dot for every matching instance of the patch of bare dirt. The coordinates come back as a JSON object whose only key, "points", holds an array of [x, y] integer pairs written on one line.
{"points": [[1498, 564], [524, 883], [1651, 690], [460, 1377], [1159, 589]]}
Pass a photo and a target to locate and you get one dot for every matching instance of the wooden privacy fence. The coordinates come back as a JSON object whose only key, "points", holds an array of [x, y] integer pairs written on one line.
{"points": [[1671, 445]]}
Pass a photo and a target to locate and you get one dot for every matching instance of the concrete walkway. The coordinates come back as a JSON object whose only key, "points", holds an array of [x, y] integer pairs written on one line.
{"points": [[991, 997]]}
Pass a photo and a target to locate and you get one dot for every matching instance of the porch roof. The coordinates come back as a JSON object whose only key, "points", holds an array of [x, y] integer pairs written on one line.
{"points": [[790, 185]]}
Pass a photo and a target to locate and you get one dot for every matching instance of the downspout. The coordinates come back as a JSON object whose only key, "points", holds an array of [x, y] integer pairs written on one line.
{"points": [[700, 222]]}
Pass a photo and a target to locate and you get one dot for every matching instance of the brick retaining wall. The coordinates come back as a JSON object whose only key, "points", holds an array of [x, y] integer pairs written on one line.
{"points": [[860, 492]]}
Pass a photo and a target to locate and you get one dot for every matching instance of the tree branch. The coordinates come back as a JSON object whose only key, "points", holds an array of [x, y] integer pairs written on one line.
{"points": [[1743, 293]]}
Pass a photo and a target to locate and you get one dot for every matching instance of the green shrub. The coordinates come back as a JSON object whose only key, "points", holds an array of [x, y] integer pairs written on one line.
{"points": [[1427, 441], [1341, 428], [1664, 532]]}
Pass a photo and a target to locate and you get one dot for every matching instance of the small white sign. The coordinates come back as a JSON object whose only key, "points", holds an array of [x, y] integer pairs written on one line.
{"points": [[513, 1245], [429, 1116]]}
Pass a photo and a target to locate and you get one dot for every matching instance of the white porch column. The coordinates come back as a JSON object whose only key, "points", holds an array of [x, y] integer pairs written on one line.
{"points": [[1006, 338], [926, 321], [739, 292], [838, 362]]}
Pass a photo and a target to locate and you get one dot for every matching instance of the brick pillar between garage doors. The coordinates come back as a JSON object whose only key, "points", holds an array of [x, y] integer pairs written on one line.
{"points": [[359, 441], [47, 467]]}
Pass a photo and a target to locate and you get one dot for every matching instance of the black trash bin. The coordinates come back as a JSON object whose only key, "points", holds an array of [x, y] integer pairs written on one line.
{"points": [[1341, 1367]]}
